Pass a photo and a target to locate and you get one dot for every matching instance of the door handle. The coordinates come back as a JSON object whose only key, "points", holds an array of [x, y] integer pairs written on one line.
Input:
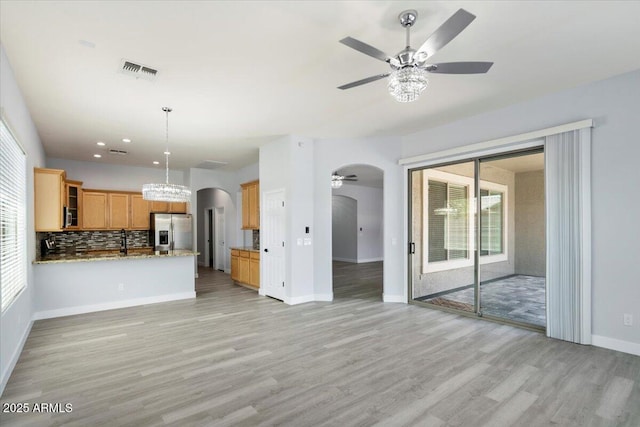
{"points": [[412, 248]]}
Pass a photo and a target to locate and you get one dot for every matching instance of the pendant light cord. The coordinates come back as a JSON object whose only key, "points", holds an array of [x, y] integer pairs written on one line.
{"points": [[167, 110]]}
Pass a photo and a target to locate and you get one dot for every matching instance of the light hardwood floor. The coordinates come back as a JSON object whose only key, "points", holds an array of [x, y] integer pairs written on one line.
{"points": [[231, 357]]}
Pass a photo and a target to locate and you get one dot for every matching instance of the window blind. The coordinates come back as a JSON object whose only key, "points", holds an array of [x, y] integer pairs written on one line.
{"points": [[437, 200], [13, 186]]}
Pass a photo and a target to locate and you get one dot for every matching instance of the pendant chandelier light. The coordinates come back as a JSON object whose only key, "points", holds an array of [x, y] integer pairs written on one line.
{"points": [[166, 192]]}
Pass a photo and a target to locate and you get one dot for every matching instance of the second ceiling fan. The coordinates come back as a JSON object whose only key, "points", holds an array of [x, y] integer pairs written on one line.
{"points": [[409, 68]]}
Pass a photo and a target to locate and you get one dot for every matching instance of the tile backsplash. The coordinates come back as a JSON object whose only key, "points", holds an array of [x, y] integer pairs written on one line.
{"points": [[256, 239], [78, 241]]}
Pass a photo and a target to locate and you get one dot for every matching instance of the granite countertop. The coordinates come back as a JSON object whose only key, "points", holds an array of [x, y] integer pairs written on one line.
{"points": [[246, 248], [97, 256]]}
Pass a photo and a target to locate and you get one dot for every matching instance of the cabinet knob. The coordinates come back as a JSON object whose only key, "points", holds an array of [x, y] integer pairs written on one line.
{"points": [[266, 250]]}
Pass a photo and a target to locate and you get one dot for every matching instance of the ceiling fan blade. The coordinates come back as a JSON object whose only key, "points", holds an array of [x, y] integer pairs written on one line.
{"points": [[364, 81], [366, 49], [350, 179], [447, 32], [460, 67], [351, 176]]}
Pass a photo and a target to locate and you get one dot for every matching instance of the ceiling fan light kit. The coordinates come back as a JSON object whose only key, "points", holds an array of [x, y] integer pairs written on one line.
{"points": [[409, 68], [166, 192], [337, 180], [406, 84]]}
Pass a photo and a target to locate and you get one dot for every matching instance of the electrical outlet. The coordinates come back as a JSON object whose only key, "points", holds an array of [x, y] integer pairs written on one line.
{"points": [[120, 287], [628, 319]]}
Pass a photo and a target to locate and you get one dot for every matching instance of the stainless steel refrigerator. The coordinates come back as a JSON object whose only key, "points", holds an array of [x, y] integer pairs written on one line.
{"points": [[171, 232]]}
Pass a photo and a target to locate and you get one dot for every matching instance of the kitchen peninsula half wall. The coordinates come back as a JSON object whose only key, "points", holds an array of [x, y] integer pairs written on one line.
{"points": [[88, 283]]}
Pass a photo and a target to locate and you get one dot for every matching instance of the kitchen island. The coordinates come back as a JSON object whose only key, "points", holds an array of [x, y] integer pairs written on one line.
{"points": [[83, 282]]}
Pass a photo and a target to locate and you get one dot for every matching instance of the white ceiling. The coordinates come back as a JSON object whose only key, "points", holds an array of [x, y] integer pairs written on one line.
{"points": [[238, 74]]}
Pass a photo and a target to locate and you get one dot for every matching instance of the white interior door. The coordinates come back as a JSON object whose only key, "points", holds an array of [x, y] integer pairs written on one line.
{"points": [[219, 238], [272, 242]]}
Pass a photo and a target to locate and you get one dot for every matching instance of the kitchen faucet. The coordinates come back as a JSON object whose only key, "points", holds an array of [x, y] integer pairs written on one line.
{"points": [[123, 242]]}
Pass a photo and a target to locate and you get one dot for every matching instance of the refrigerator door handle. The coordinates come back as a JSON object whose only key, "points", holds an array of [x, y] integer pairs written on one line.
{"points": [[172, 241]]}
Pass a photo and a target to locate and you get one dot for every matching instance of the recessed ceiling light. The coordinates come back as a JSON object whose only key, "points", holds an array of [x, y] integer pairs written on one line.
{"points": [[126, 140], [97, 156], [167, 153], [156, 162], [100, 143]]}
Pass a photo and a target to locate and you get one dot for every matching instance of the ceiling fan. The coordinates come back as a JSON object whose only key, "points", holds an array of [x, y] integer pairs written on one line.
{"points": [[337, 179], [409, 68]]}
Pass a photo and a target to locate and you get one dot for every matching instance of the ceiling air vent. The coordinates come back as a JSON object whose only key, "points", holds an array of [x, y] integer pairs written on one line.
{"points": [[119, 152], [211, 164], [138, 71]]}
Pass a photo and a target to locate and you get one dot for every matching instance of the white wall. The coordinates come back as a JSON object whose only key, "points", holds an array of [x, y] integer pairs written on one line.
{"points": [[369, 222], [287, 163], [383, 153], [107, 176], [15, 322], [344, 228], [62, 289], [614, 104]]}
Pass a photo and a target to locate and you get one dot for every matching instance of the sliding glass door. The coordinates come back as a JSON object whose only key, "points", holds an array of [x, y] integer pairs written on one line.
{"points": [[443, 236], [494, 205]]}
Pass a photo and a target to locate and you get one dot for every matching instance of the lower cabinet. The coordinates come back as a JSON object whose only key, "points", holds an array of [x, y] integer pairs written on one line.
{"points": [[254, 269], [245, 267], [235, 254]]}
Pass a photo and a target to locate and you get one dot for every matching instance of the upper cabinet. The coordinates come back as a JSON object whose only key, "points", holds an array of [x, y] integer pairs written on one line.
{"points": [[74, 203], [251, 205], [90, 209], [49, 199], [94, 210], [168, 207], [139, 212], [178, 207], [119, 210]]}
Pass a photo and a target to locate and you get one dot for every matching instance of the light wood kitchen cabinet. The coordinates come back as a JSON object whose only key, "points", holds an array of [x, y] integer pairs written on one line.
{"points": [[94, 210], [251, 205], [234, 264], [162, 207], [254, 269], [49, 198], [245, 267], [139, 212], [74, 203], [168, 207], [178, 207], [118, 211]]}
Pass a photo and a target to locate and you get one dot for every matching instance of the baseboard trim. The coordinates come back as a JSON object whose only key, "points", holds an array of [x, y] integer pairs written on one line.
{"points": [[616, 344], [354, 261], [364, 260], [14, 358], [299, 300], [70, 311], [393, 298], [323, 297]]}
